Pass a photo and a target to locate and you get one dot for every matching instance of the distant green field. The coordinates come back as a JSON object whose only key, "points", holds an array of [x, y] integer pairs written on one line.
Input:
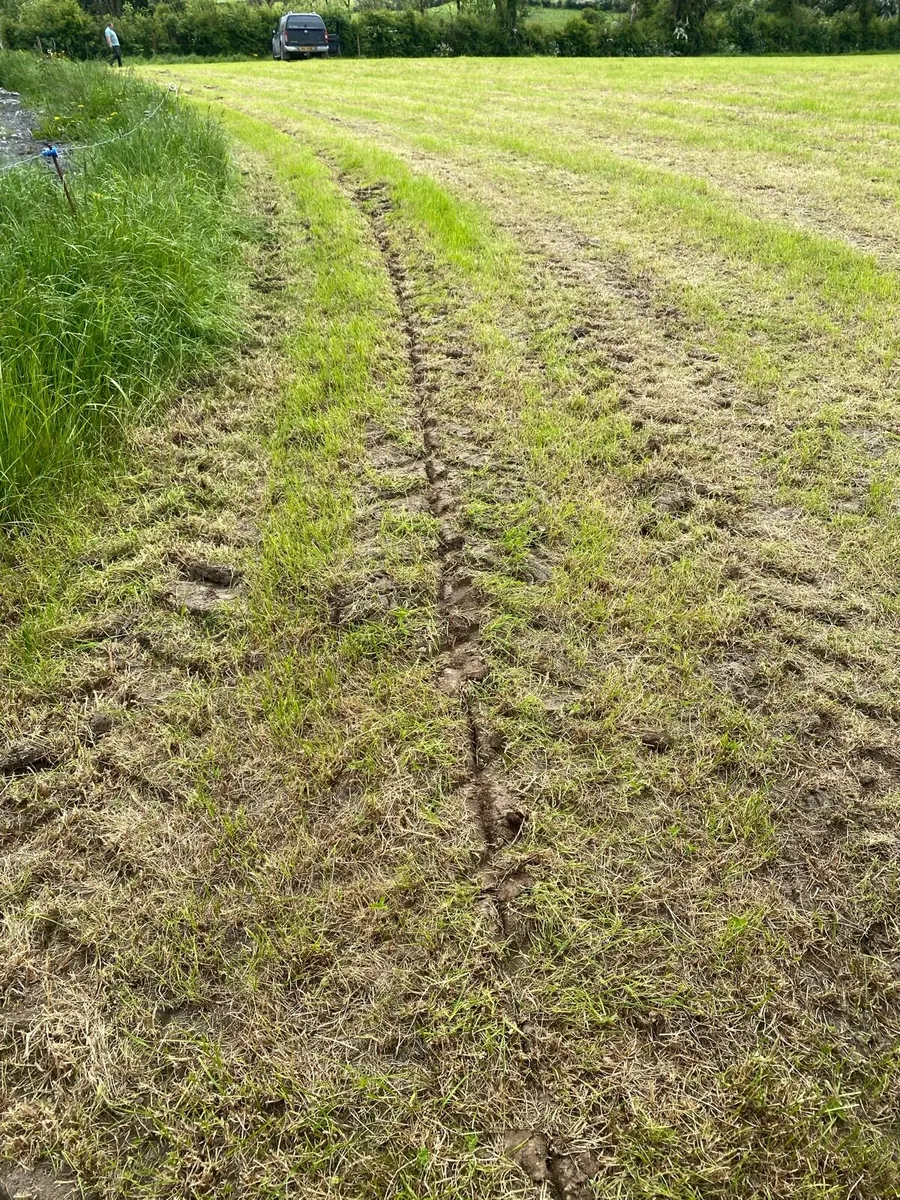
{"points": [[553, 18]]}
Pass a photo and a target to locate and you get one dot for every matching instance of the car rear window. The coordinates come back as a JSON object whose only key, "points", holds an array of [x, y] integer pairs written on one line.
{"points": [[305, 23]]}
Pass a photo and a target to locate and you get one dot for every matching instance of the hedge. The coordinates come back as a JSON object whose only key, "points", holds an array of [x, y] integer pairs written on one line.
{"points": [[207, 28]]}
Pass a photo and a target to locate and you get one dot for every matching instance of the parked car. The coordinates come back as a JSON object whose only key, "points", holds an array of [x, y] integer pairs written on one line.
{"points": [[299, 35]]}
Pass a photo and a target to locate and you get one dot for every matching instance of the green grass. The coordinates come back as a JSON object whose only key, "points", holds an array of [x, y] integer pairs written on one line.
{"points": [[103, 309], [255, 939], [667, 279], [554, 18]]}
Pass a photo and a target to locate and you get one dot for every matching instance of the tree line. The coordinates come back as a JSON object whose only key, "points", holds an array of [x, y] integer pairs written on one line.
{"points": [[410, 28]]}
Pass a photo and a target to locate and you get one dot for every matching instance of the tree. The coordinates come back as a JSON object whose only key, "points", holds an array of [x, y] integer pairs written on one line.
{"points": [[865, 10], [689, 12], [677, 21], [62, 22], [507, 14]]}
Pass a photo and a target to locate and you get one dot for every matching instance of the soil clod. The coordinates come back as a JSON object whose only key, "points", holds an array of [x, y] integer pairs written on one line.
{"points": [[99, 724], [572, 1173], [200, 599], [529, 1151], [36, 1183], [218, 574], [25, 757], [657, 740]]}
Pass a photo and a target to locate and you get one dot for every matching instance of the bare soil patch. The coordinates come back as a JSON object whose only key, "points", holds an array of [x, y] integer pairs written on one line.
{"points": [[16, 124]]}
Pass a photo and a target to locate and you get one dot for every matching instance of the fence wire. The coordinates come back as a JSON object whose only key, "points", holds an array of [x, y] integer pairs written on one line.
{"points": [[88, 146]]}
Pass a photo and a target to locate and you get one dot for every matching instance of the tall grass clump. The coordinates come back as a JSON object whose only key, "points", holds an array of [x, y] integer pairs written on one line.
{"points": [[103, 309]]}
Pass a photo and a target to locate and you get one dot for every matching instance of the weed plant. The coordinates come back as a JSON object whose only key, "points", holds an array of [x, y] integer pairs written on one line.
{"points": [[103, 309]]}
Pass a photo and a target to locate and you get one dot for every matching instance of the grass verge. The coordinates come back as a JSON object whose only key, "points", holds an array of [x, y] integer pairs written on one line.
{"points": [[103, 308]]}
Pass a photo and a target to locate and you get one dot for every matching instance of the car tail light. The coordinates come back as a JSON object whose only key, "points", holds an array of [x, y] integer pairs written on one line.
{"points": [[326, 37]]}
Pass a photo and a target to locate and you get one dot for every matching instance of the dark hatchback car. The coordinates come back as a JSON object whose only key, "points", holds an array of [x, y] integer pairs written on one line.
{"points": [[299, 35]]}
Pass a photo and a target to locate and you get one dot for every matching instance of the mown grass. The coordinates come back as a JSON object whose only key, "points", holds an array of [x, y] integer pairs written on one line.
{"points": [[689, 705], [247, 944], [754, 194], [103, 308]]}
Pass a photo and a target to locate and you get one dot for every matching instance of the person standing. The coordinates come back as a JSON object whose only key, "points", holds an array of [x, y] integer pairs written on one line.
{"points": [[112, 40]]}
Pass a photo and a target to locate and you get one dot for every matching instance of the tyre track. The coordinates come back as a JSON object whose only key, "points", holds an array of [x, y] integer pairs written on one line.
{"points": [[497, 819], [96, 759]]}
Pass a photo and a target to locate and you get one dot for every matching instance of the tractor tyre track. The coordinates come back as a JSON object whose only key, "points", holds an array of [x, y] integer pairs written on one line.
{"points": [[704, 449], [96, 789], [812, 639], [496, 819]]}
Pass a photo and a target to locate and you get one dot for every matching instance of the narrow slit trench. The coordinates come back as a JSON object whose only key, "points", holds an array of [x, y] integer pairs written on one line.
{"points": [[550, 1168], [451, 543]]}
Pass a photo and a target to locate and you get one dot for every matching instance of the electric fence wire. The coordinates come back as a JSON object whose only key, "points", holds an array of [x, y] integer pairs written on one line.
{"points": [[88, 146]]}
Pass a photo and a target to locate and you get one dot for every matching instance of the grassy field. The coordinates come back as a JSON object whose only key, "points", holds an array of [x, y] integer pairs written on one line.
{"points": [[520, 815], [554, 18]]}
